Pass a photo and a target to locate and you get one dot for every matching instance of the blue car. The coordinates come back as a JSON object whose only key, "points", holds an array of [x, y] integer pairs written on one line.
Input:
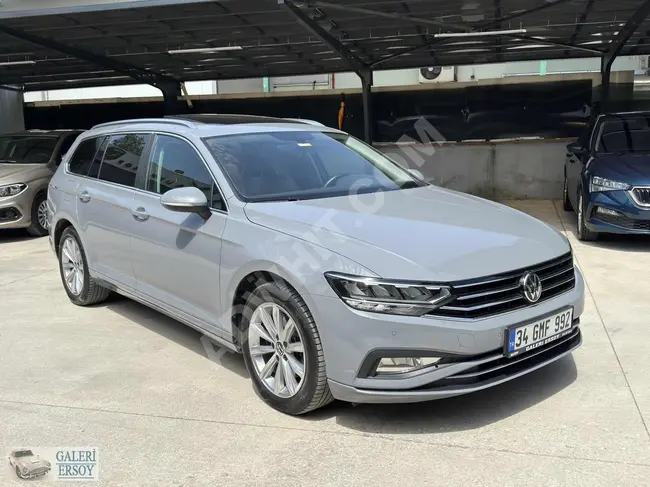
{"points": [[607, 176]]}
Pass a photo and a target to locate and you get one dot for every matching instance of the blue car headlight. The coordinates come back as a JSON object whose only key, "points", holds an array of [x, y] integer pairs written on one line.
{"points": [[603, 184]]}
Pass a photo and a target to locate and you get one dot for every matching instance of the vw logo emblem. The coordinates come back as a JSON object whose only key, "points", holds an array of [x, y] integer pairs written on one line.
{"points": [[531, 286]]}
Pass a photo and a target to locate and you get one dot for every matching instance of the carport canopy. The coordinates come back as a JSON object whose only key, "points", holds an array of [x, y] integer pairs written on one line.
{"points": [[167, 42]]}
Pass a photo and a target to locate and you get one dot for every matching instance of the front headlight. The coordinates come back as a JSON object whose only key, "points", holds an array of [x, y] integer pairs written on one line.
{"points": [[12, 189], [604, 184], [388, 296]]}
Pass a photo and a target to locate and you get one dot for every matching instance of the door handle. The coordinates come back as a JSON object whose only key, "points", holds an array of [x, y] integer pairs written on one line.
{"points": [[140, 214], [84, 197]]}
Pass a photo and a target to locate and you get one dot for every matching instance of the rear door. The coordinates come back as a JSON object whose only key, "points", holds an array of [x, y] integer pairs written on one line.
{"points": [[104, 201], [177, 255]]}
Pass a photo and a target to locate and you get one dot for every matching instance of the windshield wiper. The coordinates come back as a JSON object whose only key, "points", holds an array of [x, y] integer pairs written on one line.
{"points": [[411, 184]]}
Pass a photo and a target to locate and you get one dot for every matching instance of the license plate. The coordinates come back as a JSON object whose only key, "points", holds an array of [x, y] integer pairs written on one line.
{"points": [[524, 338]]}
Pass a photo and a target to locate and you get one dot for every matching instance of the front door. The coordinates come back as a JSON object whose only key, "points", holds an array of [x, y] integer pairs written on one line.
{"points": [[176, 255]]}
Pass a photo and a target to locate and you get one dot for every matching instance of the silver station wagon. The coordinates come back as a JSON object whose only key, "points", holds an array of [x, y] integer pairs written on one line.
{"points": [[337, 273]]}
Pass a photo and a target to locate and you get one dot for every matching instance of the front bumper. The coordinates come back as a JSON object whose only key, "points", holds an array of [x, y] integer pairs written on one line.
{"points": [[633, 219], [36, 473], [476, 346], [16, 211]]}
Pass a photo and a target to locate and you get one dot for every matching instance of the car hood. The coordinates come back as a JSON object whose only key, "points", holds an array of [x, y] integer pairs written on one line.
{"points": [[425, 233], [629, 168], [23, 173], [31, 463]]}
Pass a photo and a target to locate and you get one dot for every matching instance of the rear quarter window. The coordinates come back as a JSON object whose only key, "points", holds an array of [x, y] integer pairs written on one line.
{"points": [[83, 156]]}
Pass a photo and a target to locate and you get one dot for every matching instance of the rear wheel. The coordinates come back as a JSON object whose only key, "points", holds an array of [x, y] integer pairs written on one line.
{"points": [[584, 233], [39, 226], [283, 351], [566, 203], [81, 288]]}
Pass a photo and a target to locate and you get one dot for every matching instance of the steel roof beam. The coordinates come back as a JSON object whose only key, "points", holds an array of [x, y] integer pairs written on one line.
{"points": [[356, 64], [626, 32], [616, 47], [159, 80], [523, 13]]}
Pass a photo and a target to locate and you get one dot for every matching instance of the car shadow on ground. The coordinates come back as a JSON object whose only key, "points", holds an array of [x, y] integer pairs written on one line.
{"points": [[176, 331], [611, 241], [7, 236], [454, 414], [460, 413]]}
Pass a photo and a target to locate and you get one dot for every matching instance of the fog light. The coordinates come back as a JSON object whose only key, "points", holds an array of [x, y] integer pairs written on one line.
{"points": [[606, 211], [400, 365]]}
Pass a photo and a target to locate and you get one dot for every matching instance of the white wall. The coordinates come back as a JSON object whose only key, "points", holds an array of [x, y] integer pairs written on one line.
{"points": [[340, 81], [127, 91]]}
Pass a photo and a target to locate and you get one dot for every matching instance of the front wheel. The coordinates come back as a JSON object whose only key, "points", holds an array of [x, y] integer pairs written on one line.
{"points": [[39, 225], [18, 474], [584, 233], [283, 351]]}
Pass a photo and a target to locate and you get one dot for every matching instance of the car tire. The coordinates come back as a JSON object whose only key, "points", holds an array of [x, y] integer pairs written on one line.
{"points": [[82, 290], [566, 203], [38, 227], [311, 391], [584, 234], [18, 474]]}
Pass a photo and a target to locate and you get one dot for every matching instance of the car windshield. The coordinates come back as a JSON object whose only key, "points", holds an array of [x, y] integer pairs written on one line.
{"points": [[624, 135], [24, 149], [277, 166], [23, 453]]}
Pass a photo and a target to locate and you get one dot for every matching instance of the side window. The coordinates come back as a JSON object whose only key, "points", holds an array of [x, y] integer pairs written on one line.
{"points": [[83, 157], [93, 172], [122, 158], [176, 164]]}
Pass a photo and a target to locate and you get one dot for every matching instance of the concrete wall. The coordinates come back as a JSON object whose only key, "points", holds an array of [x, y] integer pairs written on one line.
{"points": [[502, 169], [11, 111]]}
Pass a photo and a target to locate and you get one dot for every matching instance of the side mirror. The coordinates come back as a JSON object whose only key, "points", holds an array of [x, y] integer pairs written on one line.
{"points": [[186, 200], [576, 148], [417, 174]]}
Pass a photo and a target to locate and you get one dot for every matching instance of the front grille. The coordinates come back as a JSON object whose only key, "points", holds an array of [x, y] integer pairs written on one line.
{"points": [[9, 215], [501, 293], [642, 195], [625, 222]]}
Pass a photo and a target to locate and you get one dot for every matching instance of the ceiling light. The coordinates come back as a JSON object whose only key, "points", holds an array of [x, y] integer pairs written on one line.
{"points": [[205, 49], [481, 33], [16, 63]]}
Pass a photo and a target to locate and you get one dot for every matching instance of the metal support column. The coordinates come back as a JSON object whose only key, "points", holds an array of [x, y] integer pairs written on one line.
{"points": [[171, 94], [368, 121], [605, 75]]}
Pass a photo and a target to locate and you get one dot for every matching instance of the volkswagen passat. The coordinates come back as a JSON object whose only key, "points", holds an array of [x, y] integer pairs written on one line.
{"points": [[334, 271]]}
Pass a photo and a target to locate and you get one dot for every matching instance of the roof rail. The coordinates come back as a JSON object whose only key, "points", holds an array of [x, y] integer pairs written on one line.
{"points": [[177, 121], [306, 120]]}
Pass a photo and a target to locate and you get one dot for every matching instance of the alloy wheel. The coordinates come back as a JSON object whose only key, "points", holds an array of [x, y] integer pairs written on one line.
{"points": [[73, 266], [277, 350], [42, 215]]}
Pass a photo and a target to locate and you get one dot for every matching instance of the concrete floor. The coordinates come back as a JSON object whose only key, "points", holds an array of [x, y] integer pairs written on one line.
{"points": [[141, 388]]}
